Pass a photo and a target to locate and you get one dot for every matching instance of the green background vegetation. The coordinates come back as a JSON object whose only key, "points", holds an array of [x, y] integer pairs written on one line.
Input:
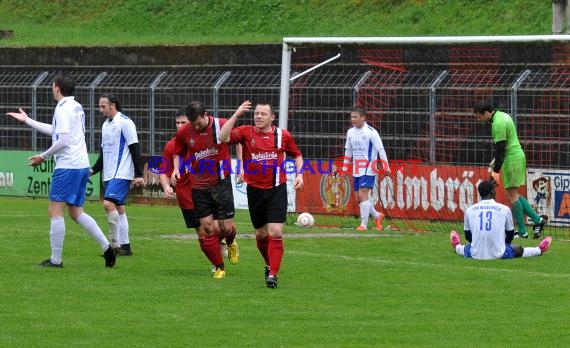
{"points": [[168, 22]]}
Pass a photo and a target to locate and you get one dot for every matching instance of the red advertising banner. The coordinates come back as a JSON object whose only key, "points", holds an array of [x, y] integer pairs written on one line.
{"points": [[413, 191]]}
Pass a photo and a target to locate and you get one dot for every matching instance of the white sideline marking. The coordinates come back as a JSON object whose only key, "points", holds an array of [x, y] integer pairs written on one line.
{"points": [[29, 215]]}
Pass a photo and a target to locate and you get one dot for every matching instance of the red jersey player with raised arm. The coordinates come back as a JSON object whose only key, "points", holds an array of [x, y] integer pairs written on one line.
{"points": [[265, 148]]}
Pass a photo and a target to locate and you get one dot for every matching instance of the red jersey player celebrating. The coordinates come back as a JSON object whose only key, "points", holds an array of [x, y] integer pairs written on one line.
{"points": [[209, 166], [184, 183], [264, 149]]}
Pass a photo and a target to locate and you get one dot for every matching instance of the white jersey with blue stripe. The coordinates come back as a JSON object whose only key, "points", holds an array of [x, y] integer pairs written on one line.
{"points": [[364, 146], [118, 133], [69, 118], [488, 222]]}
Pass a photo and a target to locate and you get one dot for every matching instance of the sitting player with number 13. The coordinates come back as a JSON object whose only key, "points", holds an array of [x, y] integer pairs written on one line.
{"points": [[489, 229]]}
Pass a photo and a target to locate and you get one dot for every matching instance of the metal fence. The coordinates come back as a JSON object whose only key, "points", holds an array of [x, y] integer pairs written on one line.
{"points": [[421, 113], [427, 113], [149, 96]]}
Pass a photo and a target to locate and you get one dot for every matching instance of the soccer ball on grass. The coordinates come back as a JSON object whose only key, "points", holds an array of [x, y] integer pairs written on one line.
{"points": [[305, 220]]}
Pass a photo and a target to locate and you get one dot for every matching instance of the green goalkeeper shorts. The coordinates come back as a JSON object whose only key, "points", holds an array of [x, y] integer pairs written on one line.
{"points": [[514, 171]]}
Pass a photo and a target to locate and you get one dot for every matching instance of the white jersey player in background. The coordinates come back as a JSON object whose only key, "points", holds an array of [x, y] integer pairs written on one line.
{"points": [[363, 147], [71, 173], [120, 160], [489, 229]]}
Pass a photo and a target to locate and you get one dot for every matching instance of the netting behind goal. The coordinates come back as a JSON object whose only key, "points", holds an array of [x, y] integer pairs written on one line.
{"points": [[420, 98]]}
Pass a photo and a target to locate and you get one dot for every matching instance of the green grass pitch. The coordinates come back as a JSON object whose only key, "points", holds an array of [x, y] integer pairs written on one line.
{"points": [[336, 289]]}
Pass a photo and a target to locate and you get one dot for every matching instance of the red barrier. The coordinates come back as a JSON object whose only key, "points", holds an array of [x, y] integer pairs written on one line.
{"points": [[414, 191]]}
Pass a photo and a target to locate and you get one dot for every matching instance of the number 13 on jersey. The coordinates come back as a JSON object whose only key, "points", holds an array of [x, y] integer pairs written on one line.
{"points": [[485, 220]]}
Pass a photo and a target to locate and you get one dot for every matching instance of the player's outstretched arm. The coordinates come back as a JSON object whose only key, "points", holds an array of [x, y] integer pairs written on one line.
{"points": [[20, 115], [23, 117], [227, 127]]}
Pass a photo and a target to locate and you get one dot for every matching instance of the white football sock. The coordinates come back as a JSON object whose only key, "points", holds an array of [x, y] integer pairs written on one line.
{"points": [[123, 229], [531, 251], [364, 213], [56, 237], [89, 224], [373, 211], [113, 219]]}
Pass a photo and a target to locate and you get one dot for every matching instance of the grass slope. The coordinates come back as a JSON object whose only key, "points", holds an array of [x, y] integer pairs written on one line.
{"points": [[169, 22], [399, 289]]}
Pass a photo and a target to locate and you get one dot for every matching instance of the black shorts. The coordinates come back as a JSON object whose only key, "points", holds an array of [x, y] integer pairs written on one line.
{"points": [[217, 201], [190, 218], [267, 205]]}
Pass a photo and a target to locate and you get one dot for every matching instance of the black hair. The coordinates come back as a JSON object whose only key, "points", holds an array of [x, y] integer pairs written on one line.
{"points": [[487, 189], [360, 111], [113, 99], [194, 110], [180, 112], [271, 109], [65, 84], [482, 107]]}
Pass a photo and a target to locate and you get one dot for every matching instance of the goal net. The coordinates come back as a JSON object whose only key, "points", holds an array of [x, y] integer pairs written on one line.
{"points": [[419, 94]]}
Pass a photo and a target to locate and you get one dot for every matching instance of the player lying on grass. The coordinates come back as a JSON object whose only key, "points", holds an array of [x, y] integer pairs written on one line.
{"points": [[489, 229]]}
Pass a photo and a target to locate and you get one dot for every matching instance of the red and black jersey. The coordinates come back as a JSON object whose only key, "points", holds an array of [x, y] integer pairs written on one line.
{"points": [[184, 184], [264, 154], [208, 158]]}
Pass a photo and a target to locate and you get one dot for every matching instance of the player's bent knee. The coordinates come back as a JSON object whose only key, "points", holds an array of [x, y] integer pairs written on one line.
{"points": [[109, 206], [226, 226]]}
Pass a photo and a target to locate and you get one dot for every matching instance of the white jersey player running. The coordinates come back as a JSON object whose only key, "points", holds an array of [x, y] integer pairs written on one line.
{"points": [[120, 161], [71, 173], [363, 147], [489, 229]]}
